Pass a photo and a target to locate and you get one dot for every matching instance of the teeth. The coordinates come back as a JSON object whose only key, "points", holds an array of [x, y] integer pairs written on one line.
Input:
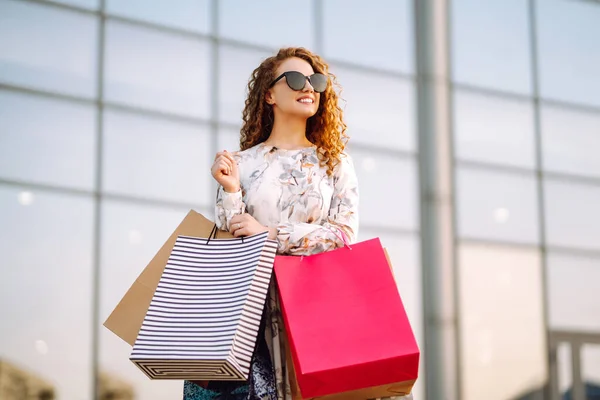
{"points": [[306, 101]]}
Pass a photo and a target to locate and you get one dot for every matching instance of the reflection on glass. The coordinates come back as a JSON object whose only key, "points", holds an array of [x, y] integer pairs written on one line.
{"points": [[153, 158], [90, 4], [45, 301], [490, 42], [406, 264], [572, 215], [122, 262], [494, 130], [569, 50], [503, 345], [228, 139], [157, 70], [570, 141], [236, 66], [379, 109], [47, 48], [388, 190], [47, 141], [573, 287], [590, 360], [497, 206], [270, 23], [377, 35], [193, 15]]}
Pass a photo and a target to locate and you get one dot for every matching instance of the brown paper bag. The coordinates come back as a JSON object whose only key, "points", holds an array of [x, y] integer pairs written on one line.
{"points": [[126, 319]]}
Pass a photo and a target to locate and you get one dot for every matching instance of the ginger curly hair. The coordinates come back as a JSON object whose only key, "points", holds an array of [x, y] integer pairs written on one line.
{"points": [[326, 129]]}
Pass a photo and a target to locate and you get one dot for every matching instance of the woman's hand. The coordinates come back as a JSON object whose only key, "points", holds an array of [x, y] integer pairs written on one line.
{"points": [[225, 171], [245, 225]]}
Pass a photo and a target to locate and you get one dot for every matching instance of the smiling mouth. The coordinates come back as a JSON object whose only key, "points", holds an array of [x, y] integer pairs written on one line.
{"points": [[306, 101]]}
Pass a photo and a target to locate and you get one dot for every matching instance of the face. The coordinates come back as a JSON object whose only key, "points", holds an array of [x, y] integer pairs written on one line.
{"points": [[303, 103]]}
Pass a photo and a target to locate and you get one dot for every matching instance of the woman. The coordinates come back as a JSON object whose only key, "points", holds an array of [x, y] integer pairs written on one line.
{"points": [[292, 179]]}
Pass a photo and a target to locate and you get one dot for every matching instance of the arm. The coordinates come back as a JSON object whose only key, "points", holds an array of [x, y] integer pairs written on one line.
{"points": [[228, 205], [306, 238]]}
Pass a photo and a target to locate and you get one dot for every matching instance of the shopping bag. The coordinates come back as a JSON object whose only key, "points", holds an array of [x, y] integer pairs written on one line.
{"points": [[348, 333], [203, 320], [126, 319]]}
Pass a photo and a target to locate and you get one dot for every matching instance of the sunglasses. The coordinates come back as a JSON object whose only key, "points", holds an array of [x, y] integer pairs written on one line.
{"points": [[296, 81]]}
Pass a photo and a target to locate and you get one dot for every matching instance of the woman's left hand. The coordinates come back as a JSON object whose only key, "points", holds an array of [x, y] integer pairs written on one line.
{"points": [[245, 225]]}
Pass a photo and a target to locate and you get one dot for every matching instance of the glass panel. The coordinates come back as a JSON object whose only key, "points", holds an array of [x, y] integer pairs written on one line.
{"points": [[137, 164], [572, 215], [47, 48], [571, 140], [387, 25], [497, 206], [573, 287], [131, 236], [388, 122], [491, 44], [268, 22], [388, 190], [590, 368], [569, 30], [171, 75], [494, 130], [45, 290], [228, 139], [47, 141], [236, 66], [565, 367], [193, 15], [405, 257], [91, 4], [503, 337]]}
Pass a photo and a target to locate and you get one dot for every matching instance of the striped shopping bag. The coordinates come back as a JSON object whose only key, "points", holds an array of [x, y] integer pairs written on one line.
{"points": [[204, 317]]}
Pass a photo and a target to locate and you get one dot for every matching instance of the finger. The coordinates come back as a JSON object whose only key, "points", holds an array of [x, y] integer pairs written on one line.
{"points": [[241, 232], [236, 219], [224, 167], [230, 157]]}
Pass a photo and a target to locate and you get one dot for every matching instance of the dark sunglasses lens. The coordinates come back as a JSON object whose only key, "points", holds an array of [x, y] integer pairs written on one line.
{"points": [[295, 80], [318, 82]]}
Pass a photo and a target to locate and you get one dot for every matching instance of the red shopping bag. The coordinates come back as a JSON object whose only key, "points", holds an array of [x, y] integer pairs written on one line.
{"points": [[346, 324]]}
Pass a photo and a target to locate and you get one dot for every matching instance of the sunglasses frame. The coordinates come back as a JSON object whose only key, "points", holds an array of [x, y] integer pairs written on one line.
{"points": [[307, 78]]}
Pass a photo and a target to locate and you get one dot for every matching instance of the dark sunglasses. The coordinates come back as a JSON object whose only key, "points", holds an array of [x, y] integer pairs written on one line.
{"points": [[296, 80]]}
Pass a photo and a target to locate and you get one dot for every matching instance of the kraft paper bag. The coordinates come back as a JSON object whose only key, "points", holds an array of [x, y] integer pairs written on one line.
{"points": [[126, 319]]}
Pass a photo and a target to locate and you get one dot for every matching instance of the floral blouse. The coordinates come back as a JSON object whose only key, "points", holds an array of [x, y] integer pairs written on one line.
{"points": [[289, 190], [312, 211]]}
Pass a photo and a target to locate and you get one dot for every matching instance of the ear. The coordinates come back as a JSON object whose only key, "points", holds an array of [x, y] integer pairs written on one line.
{"points": [[269, 97]]}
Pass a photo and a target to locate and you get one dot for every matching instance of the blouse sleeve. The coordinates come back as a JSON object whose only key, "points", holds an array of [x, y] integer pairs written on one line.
{"points": [[342, 220], [228, 205]]}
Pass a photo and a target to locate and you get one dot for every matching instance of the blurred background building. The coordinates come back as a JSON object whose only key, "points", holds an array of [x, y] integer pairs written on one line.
{"points": [[111, 112]]}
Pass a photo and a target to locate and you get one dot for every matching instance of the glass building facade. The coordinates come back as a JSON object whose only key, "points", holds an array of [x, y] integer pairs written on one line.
{"points": [[111, 112]]}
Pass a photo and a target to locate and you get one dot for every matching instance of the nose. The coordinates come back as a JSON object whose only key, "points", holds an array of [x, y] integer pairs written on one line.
{"points": [[308, 86]]}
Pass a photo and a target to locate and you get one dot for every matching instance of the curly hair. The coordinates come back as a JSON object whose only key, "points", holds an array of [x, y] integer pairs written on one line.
{"points": [[326, 129]]}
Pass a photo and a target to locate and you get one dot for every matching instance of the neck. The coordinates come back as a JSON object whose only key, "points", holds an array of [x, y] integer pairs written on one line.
{"points": [[288, 133]]}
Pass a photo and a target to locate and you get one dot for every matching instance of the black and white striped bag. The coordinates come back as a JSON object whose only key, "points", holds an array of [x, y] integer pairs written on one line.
{"points": [[203, 321]]}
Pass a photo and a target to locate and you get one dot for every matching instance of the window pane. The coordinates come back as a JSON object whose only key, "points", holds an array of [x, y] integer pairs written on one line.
{"points": [[491, 44], [404, 252], [92, 4], [193, 15], [494, 130], [497, 206], [388, 190], [131, 236], [590, 360], [569, 30], [137, 164], [384, 25], [47, 48], [171, 75], [571, 140], [573, 287], [47, 141], [45, 290], [228, 139], [268, 22], [387, 122], [503, 343], [236, 66], [572, 215]]}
